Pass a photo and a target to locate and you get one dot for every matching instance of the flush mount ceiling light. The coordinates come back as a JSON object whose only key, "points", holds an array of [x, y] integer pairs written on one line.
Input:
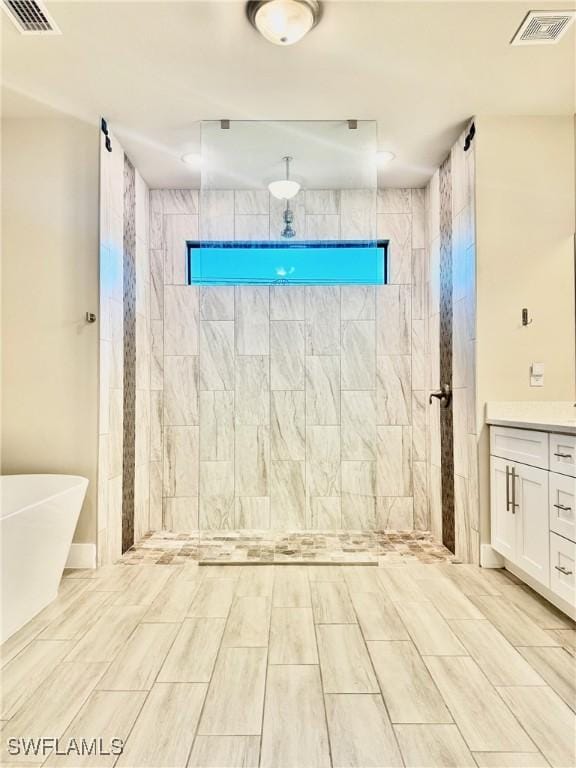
{"points": [[284, 189], [384, 157], [283, 22]]}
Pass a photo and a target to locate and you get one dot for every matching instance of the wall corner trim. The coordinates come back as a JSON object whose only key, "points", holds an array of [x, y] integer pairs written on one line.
{"points": [[489, 558], [81, 556]]}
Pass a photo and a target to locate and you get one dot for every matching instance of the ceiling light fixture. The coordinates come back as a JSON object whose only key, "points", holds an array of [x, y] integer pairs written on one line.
{"points": [[283, 22], [384, 157], [284, 189]]}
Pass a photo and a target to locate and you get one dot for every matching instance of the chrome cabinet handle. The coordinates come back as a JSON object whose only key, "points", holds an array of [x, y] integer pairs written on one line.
{"points": [[562, 507], [563, 455], [563, 570], [507, 488], [513, 501]]}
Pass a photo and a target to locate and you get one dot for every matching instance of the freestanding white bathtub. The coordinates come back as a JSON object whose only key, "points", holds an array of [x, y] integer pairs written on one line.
{"points": [[38, 515]]}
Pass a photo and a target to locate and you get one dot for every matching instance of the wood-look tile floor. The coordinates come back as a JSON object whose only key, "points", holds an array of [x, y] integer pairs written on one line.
{"points": [[295, 667]]}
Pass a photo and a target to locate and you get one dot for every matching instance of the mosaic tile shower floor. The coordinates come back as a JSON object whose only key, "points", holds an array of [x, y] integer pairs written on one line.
{"points": [[315, 547]]}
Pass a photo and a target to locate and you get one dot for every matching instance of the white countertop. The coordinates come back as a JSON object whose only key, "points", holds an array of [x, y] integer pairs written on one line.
{"points": [[557, 416]]}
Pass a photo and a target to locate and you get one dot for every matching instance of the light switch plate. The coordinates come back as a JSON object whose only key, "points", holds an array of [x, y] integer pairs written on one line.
{"points": [[537, 375]]}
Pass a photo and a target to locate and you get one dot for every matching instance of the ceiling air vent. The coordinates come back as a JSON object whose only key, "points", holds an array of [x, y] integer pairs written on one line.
{"points": [[30, 17], [543, 27]]}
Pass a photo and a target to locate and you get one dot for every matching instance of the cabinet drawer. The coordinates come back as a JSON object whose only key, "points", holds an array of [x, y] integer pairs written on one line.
{"points": [[563, 505], [562, 567], [563, 454], [523, 445]]}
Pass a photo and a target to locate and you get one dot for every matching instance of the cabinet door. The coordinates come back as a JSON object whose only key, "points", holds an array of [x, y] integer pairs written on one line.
{"points": [[503, 520], [530, 492]]}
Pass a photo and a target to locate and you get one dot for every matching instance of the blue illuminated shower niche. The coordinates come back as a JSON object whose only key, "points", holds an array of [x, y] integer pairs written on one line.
{"points": [[338, 262]]}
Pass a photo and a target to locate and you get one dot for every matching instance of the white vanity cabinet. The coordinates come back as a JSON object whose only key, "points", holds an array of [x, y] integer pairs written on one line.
{"points": [[533, 518], [520, 516]]}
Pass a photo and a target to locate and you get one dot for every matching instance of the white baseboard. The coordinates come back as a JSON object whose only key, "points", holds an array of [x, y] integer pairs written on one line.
{"points": [[489, 558], [81, 556]]}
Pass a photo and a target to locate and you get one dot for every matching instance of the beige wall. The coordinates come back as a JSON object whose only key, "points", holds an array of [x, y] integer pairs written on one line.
{"points": [[525, 218], [50, 280]]}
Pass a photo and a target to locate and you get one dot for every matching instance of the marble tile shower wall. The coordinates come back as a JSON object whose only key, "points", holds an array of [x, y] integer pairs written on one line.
{"points": [[142, 522], [466, 503], [110, 442], [288, 407], [111, 399]]}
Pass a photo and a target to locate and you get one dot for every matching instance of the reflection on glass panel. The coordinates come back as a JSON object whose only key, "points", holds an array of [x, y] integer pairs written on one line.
{"points": [[297, 263]]}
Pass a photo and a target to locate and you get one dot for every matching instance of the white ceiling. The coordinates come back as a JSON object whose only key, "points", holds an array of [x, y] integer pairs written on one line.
{"points": [[156, 69]]}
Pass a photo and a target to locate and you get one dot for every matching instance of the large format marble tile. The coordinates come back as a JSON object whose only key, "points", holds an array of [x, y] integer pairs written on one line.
{"points": [[157, 284], [322, 320], [216, 505], [393, 390], [253, 512], [180, 390], [181, 461], [419, 284], [287, 495], [419, 355], [177, 230], [324, 513], [250, 201], [358, 425], [252, 315], [420, 494], [397, 229], [358, 354], [393, 307], [358, 302], [155, 514], [176, 201], [394, 201], [157, 354], [252, 460], [323, 461], [394, 477], [359, 495], [418, 218], [217, 302], [156, 219], [181, 320], [358, 214], [251, 227], [287, 302], [180, 514], [217, 215], [325, 201], [217, 426], [288, 425], [419, 412], [287, 348], [394, 513], [322, 390], [216, 355], [252, 404]]}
